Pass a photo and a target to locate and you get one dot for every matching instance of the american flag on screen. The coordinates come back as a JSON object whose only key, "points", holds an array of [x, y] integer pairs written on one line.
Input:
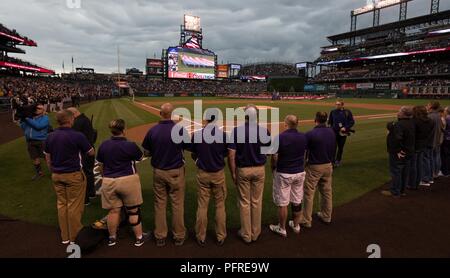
{"points": [[192, 43]]}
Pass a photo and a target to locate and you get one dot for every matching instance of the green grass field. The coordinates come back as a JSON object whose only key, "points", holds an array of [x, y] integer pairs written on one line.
{"points": [[365, 165]]}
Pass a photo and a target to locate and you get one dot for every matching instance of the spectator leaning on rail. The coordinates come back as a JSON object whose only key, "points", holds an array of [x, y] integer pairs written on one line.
{"points": [[319, 171], [121, 185], [62, 150], [342, 122], [168, 175], [36, 131], [289, 176], [209, 149], [400, 145], [246, 162], [83, 124]]}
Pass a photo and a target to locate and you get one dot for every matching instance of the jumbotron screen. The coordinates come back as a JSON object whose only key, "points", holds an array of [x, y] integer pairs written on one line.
{"points": [[190, 63]]}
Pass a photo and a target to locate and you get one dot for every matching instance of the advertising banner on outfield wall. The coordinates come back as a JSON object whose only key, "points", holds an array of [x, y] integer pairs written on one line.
{"points": [[382, 86], [310, 88], [348, 87], [321, 88], [364, 86], [400, 85], [334, 87]]}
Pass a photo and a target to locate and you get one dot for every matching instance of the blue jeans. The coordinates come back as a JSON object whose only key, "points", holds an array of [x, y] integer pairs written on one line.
{"points": [[436, 160], [416, 169], [445, 157], [399, 169], [427, 165]]}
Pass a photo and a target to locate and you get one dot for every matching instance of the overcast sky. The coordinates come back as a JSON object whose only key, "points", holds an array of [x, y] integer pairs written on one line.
{"points": [[238, 31]]}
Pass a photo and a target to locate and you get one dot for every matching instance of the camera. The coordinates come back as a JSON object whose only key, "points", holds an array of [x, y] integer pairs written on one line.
{"points": [[26, 111]]}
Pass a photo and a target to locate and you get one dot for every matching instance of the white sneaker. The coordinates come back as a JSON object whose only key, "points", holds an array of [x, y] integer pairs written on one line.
{"points": [[431, 182], [278, 230], [440, 174], [425, 184], [295, 229]]}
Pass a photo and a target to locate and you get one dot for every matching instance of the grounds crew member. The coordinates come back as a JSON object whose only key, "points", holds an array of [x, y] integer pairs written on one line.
{"points": [[247, 166], [168, 176], [36, 132], [121, 185], [319, 171], [62, 149], [342, 122], [289, 176], [84, 125], [209, 157]]}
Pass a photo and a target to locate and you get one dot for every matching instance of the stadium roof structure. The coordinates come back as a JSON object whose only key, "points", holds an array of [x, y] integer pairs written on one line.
{"points": [[9, 40], [15, 37], [404, 24]]}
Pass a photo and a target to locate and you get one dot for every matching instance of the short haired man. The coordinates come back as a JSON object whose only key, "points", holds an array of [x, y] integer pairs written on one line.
{"points": [[341, 121], [209, 149], [36, 132], [446, 145], [121, 186], [289, 176], [84, 125], [319, 170], [62, 150], [438, 138], [247, 166], [401, 148], [168, 176]]}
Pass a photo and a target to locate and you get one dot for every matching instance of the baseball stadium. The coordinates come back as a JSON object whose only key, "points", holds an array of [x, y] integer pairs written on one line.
{"points": [[371, 84]]}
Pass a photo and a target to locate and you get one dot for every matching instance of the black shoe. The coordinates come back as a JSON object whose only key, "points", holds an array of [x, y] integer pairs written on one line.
{"points": [[179, 241], [161, 242], [201, 243], [221, 242], [87, 203], [112, 241], [145, 237]]}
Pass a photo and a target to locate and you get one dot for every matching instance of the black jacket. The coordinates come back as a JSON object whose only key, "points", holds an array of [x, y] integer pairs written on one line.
{"points": [[84, 125], [424, 134], [401, 137]]}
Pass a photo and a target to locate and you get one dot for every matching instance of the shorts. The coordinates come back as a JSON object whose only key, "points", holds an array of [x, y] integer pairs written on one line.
{"points": [[288, 188], [35, 149], [121, 192]]}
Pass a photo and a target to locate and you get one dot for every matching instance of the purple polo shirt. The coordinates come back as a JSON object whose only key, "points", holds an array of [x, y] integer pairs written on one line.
{"points": [[210, 156], [248, 154], [321, 145], [165, 153], [65, 147], [291, 152], [118, 157]]}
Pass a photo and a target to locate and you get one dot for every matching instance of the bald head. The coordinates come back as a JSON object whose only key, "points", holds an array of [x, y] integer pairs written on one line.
{"points": [[291, 121], [74, 111], [166, 111], [65, 118]]}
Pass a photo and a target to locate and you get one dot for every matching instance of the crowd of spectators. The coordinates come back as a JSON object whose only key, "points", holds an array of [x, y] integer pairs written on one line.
{"points": [[269, 69], [388, 70]]}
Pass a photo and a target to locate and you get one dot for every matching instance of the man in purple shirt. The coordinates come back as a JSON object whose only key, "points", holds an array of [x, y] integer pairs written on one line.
{"points": [[168, 176], [209, 149], [121, 186], [63, 150], [319, 170], [446, 144], [247, 166], [289, 176]]}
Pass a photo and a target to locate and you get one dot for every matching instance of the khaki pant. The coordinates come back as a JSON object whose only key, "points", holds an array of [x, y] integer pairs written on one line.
{"points": [[211, 183], [250, 195], [318, 176], [169, 183], [70, 193]]}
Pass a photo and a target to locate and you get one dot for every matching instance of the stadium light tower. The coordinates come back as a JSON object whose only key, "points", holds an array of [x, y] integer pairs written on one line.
{"points": [[434, 6]]}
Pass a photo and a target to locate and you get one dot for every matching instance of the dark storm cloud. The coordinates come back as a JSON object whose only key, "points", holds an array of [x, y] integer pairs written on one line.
{"points": [[238, 31]]}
